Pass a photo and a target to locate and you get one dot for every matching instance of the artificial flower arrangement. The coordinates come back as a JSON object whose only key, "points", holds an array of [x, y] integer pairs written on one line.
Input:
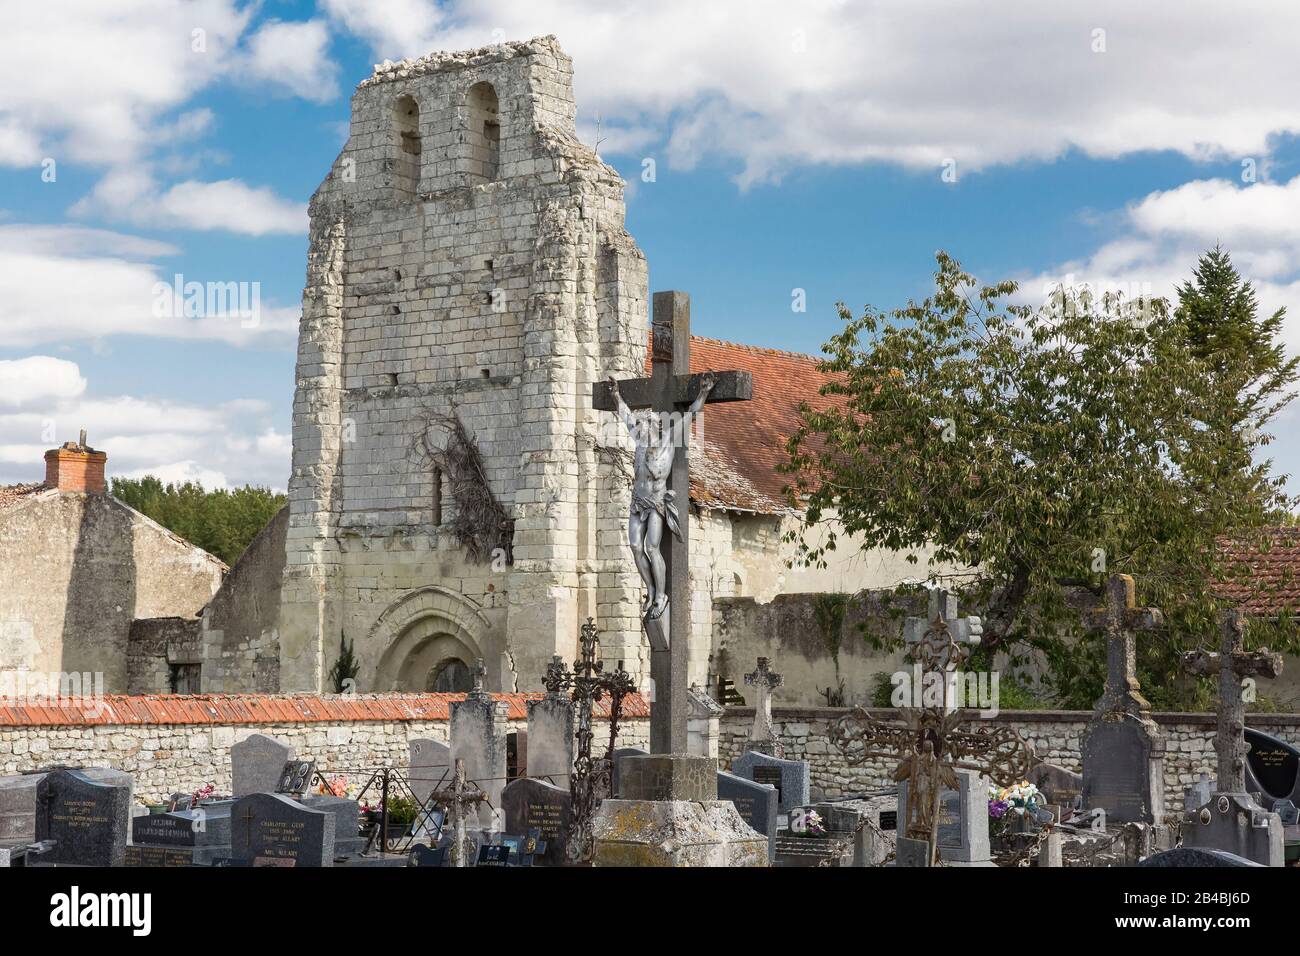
{"points": [[808, 823], [336, 786], [1008, 805], [204, 792]]}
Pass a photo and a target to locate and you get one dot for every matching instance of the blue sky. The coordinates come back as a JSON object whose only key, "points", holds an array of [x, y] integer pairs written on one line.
{"points": [[793, 149]]}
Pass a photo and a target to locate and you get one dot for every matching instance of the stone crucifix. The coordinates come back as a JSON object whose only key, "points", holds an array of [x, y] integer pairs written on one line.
{"points": [[943, 637], [1121, 619], [764, 681], [661, 485], [1232, 663]]}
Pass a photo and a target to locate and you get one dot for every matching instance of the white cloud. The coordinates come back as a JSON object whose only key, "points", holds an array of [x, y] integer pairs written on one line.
{"points": [[38, 379], [769, 85], [293, 56], [60, 283], [176, 441]]}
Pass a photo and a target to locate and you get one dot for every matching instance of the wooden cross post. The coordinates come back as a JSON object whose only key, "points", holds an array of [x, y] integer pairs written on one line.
{"points": [[1232, 663], [669, 392]]}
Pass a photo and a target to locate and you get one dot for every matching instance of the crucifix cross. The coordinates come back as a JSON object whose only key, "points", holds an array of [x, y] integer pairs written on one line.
{"points": [[941, 642], [1231, 664], [670, 391], [1121, 619]]}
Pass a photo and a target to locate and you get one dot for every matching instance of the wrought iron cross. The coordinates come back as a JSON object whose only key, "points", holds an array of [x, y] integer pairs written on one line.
{"points": [[589, 783], [669, 390], [1232, 663], [929, 746]]}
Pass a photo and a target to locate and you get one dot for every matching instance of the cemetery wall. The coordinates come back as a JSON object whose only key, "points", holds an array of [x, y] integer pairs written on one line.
{"points": [[75, 571], [174, 744], [1056, 736]]}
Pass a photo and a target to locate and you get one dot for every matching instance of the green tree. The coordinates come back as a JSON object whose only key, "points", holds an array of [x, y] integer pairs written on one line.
{"points": [[1042, 449], [343, 673], [220, 522]]}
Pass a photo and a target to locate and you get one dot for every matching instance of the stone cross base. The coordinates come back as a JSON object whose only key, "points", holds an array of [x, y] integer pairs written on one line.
{"points": [[670, 815], [675, 833], [1236, 823]]}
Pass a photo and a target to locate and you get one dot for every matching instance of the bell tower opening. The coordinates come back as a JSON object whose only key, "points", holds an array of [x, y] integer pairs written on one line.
{"points": [[406, 165], [484, 134]]}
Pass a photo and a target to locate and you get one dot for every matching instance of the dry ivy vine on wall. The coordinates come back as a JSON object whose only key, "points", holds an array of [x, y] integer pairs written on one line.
{"points": [[480, 524]]}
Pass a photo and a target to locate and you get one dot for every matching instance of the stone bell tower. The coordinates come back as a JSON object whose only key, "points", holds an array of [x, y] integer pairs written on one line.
{"points": [[467, 259]]}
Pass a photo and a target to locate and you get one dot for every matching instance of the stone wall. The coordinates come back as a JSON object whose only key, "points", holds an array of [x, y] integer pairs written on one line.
{"points": [[1055, 735], [166, 758], [156, 644], [76, 570]]}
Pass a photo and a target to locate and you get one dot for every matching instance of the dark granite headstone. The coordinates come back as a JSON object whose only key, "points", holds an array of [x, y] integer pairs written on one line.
{"points": [[18, 799], [198, 836], [493, 855], [531, 804], [1057, 784], [755, 802], [268, 829], [1196, 857], [427, 856], [794, 789], [347, 822], [295, 777], [1119, 773], [87, 820], [1272, 767]]}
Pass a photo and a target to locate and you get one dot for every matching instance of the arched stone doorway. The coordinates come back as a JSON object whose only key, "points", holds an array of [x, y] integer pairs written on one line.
{"points": [[431, 639]]}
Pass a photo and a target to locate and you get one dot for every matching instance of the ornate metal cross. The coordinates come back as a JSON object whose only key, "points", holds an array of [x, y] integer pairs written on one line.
{"points": [[764, 681], [1232, 663], [457, 800], [589, 783], [670, 390], [929, 746]]}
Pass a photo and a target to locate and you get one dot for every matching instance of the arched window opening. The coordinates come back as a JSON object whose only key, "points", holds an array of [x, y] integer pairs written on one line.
{"points": [[406, 123], [484, 139]]}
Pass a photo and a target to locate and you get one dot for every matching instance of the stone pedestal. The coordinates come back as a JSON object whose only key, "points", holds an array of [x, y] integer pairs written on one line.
{"points": [[670, 815]]}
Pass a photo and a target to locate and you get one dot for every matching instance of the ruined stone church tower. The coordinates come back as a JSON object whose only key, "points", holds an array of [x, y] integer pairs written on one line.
{"points": [[468, 256]]}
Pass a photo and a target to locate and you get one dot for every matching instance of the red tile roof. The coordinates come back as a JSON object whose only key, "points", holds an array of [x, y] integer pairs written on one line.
{"points": [[226, 709], [743, 442], [1263, 576], [11, 494]]}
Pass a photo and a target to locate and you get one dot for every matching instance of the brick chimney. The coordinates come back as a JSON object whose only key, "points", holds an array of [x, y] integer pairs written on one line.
{"points": [[75, 466]]}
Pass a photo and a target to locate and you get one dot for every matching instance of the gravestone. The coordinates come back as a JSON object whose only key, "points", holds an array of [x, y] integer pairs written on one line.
{"points": [[87, 820], [195, 837], [256, 763], [430, 767], [1058, 785], [792, 778], [1232, 820], [963, 821], [1186, 856], [18, 799], [531, 804], [478, 737], [427, 856], [1272, 767], [755, 802], [1123, 748], [269, 829], [347, 822], [551, 735]]}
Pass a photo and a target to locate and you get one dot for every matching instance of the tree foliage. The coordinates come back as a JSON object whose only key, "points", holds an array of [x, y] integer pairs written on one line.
{"points": [[220, 522], [1043, 449]]}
